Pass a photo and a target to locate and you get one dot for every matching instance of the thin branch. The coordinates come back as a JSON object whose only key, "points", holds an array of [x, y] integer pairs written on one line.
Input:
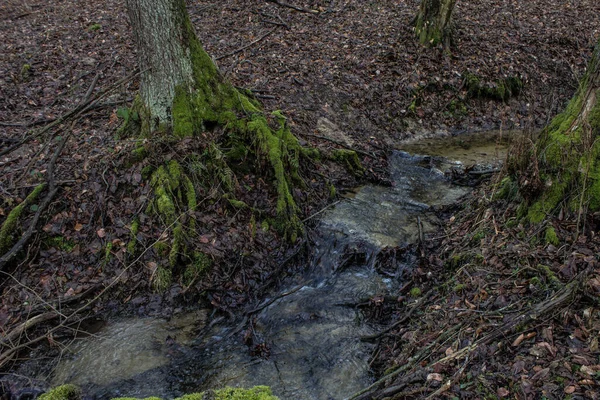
{"points": [[294, 7], [339, 143], [247, 46]]}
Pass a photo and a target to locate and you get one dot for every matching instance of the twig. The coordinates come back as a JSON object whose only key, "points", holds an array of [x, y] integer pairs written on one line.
{"points": [[320, 211], [30, 323], [293, 7], [88, 94], [339, 143], [274, 299], [406, 317], [247, 46]]}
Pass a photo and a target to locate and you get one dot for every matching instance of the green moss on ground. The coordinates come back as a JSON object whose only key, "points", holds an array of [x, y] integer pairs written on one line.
{"points": [[64, 392], [350, 159], [551, 237], [9, 227], [72, 392], [501, 89], [134, 229]]}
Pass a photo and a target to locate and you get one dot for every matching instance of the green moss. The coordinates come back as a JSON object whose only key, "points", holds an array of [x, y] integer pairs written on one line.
{"points": [[161, 248], [332, 190], [9, 227], [136, 120], [477, 237], [139, 154], [457, 108], [199, 266], [280, 146], [64, 392], [507, 189], [255, 393], [94, 27], [162, 279], [567, 155], [415, 292], [459, 287], [61, 243], [177, 245], [134, 229], [350, 159], [501, 89], [265, 226], [25, 72], [185, 120], [554, 194], [551, 237], [550, 275], [237, 204], [457, 261], [168, 182]]}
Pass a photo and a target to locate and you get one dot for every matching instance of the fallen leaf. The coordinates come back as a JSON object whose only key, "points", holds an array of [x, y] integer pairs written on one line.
{"points": [[78, 227], [518, 340], [541, 374], [502, 392], [570, 389], [101, 232], [435, 377]]}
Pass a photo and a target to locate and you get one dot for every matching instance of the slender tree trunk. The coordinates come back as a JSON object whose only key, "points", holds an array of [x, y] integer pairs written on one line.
{"points": [[433, 24], [564, 169]]}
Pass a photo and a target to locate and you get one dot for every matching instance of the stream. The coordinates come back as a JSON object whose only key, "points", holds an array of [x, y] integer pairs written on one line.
{"points": [[311, 326]]}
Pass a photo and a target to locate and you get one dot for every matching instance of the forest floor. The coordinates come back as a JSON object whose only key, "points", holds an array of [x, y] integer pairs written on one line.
{"points": [[346, 72]]}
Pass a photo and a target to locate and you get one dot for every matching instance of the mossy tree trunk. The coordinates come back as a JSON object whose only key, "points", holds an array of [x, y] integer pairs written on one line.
{"points": [[563, 171], [433, 23], [183, 94]]}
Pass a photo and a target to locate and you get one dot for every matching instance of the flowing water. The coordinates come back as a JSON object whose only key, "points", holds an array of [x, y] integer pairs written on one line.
{"points": [[312, 329]]}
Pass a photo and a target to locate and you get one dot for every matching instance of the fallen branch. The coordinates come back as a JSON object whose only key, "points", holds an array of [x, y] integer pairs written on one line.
{"points": [[245, 47], [23, 327], [293, 7], [339, 143]]}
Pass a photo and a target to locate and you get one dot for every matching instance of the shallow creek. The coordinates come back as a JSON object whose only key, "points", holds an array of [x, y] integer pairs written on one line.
{"points": [[312, 331]]}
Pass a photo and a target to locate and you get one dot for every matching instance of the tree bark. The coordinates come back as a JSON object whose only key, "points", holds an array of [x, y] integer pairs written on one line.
{"points": [[564, 169], [159, 31], [433, 24]]}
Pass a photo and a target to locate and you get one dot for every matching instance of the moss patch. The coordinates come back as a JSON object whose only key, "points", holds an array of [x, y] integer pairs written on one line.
{"points": [[350, 159], [255, 393], [9, 227], [551, 237], [64, 392], [501, 89]]}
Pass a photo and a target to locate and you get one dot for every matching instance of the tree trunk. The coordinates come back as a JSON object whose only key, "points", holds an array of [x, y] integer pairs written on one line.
{"points": [[433, 24], [183, 94], [161, 24], [181, 88], [564, 169]]}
